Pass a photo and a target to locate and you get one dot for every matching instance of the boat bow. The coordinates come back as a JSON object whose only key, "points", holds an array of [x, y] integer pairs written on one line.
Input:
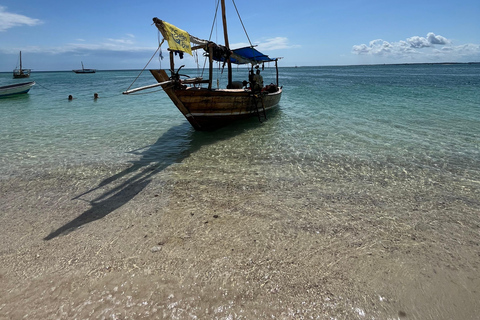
{"points": [[209, 108]]}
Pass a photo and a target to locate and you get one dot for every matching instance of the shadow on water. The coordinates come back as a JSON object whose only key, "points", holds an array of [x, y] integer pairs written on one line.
{"points": [[172, 147]]}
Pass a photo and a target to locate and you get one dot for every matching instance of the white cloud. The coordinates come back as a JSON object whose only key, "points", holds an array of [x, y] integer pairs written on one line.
{"points": [[124, 44], [432, 47], [275, 44], [418, 42], [433, 39], [9, 20], [127, 43], [120, 41], [268, 44], [429, 41], [82, 46]]}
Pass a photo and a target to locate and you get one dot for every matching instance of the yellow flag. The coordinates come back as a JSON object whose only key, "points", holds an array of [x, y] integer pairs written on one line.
{"points": [[177, 38]]}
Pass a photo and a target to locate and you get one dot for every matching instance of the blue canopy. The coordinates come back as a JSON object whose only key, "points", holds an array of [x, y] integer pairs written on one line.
{"points": [[249, 55], [246, 55]]}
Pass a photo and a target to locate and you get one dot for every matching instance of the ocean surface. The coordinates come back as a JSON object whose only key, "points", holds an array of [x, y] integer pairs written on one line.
{"points": [[404, 116], [358, 197]]}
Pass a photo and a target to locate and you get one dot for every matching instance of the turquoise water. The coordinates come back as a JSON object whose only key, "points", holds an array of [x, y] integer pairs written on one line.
{"points": [[358, 198], [424, 116]]}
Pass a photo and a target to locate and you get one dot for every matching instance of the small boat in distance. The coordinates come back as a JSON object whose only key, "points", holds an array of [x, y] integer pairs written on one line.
{"points": [[14, 89], [83, 70], [209, 108], [20, 72]]}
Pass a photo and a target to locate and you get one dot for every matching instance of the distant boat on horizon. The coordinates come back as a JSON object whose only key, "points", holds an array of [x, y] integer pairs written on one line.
{"points": [[83, 70], [20, 72]]}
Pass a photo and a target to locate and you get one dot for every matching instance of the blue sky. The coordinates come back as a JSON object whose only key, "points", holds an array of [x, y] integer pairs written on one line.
{"points": [[105, 34]]}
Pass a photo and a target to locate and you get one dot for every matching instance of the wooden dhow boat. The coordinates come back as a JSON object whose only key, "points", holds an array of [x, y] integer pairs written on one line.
{"points": [[20, 72], [83, 70], [205, 107]]}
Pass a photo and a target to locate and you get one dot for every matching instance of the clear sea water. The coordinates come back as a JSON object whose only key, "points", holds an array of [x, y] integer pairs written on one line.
{"points": [[404, 116], [358, 198]]}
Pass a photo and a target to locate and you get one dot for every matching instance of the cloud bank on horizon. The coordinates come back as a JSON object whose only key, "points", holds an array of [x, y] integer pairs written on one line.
{"points": [[431, 46]]}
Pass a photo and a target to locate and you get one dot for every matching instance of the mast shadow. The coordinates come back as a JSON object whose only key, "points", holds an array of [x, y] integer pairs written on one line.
{"points": [[173, 146]]}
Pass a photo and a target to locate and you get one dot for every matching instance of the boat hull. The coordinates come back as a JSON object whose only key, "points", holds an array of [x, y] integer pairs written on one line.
{"points": [[85, 71], [18, 74], [210, 109], [15, 89]]}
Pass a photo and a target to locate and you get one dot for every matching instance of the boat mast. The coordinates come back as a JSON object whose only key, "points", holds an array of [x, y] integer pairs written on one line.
{"points": [[21, 70], [225, 33]]}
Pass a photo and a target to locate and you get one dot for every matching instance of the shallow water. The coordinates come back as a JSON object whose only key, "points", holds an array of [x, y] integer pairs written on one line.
{"points": [[417, 115], [358, 198]]}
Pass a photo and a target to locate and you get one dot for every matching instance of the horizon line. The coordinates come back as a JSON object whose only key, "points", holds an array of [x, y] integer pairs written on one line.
{"points": [[305, 66]]}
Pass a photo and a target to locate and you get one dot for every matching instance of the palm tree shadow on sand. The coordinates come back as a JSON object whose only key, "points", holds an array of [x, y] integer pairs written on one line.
{"points": [[172, 147]]}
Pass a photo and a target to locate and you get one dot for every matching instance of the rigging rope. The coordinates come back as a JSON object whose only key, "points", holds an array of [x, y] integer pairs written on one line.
{"points": [[159, 46], [214, 20], [242, 23]]}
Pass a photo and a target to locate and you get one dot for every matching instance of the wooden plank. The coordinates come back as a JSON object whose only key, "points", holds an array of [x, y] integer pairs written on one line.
{"points": [[162, 76], [147, 87]]}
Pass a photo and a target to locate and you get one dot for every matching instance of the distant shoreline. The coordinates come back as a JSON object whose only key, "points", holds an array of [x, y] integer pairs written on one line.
{"points": [[389, 64], [419, 63]]}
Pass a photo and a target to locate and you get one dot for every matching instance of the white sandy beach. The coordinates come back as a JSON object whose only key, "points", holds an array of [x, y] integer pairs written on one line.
{"points": [[208, 242]]}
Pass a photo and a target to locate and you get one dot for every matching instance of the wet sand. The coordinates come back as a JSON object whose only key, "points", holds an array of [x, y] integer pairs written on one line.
{"points": [[212, 242]]}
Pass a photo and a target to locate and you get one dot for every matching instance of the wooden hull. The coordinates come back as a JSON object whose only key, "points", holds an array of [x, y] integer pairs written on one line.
{"points": [[20, 75], [14, 89], [85, 71], [210, 109], [20, 72]]}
